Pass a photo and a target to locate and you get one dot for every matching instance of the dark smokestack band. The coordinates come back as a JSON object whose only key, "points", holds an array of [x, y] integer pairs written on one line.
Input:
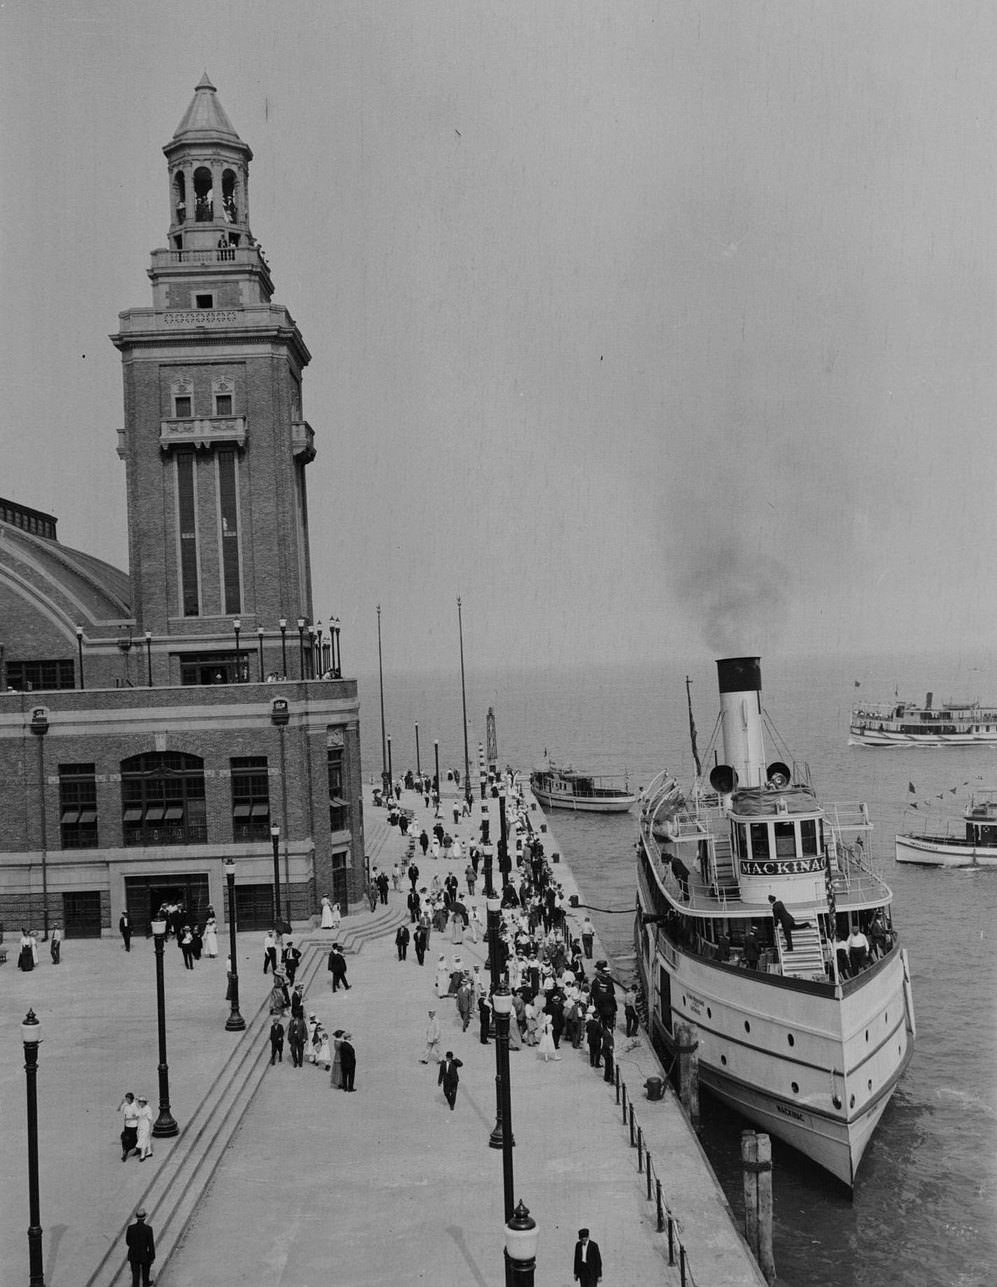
{"points": [[739, 675]]}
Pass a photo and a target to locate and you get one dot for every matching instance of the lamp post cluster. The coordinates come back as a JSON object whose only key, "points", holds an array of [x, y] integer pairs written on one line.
{"points": [[317, 654]]}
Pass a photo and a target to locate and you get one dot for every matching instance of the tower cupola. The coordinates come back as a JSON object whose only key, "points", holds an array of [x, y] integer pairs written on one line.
{"points": [[209, 177]]}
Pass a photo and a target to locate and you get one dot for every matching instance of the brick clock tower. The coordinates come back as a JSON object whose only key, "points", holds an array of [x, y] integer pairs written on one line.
{"points": [[214, 443]]}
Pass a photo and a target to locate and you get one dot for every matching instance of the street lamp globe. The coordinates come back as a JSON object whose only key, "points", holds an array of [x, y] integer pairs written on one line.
{"points": [[159, 926], [31, 1029], [521, 1237]]}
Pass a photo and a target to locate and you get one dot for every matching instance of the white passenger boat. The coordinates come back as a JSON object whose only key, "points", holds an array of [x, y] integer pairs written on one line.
{"points": [[900, 723], [974, 846], [804, 1043], [566, 788]]}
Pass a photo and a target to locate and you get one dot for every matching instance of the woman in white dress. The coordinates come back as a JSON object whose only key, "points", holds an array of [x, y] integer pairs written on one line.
{"points": [[546, 1045], [336, 916], [326, 914], [324, 1053], [144, 1129], [442, 977], [211, 939]]}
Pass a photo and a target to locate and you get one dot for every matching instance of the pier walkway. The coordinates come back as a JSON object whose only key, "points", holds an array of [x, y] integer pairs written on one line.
{"points": [[278, 1180]]}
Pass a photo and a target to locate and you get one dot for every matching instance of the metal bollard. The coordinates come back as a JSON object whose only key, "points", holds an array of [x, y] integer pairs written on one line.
{"points": [[624, 1084], [640, 1150], [671, 1239], [647, 1171], [633, 1140], [661, 1206], [616, 1079], [682, 1265]]}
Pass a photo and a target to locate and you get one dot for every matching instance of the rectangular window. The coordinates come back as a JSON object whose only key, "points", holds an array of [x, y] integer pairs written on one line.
{"points": [[808, 837], [187, 513], [78, 806], [759, 840], [204, 301], [183, 407], [34, 676], [223, 404], [785, 840], [250, 798], [228, 504], [339, 809]]}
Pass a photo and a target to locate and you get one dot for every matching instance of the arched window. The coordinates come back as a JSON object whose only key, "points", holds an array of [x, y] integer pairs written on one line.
{"points": [[204, 205], [162, 799], [180, 196], [230, 210]]}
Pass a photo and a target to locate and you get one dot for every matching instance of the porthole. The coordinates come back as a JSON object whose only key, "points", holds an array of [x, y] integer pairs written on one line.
{"points": [[791, 1039], [723, 1060], [867, 1036], [836, 1100], [747, 1026], [886, 1018], [684, 1001], [794, 1086], [869, 1083], [851, 1101], [709, 1013]]}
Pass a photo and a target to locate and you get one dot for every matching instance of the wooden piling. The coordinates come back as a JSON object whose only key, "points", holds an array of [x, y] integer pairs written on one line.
{"points": [[756, 1160], [749, 1160], [688, 1044]]}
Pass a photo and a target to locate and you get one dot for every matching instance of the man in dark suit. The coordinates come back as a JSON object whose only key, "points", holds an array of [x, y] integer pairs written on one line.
{"points": [[449, 1078], [593, 1036], [420, 941], [141, 1249], [348, 1061], [401, 941], [588, 1262]]}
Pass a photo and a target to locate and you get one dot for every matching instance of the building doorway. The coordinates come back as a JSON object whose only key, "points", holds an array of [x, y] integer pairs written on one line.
{"points": [[145, 895], [81, 915], [254, 907]]}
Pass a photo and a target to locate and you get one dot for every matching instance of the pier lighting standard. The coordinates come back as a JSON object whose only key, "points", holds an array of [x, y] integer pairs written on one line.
{"points": [[259, 649], [275, 841], [380, 674], [391, 772], [148, 656], [521, 1238], [436, 756], [31, 1035], [488, 853], [418, 766], [165, 1124], [503, 842], [463, 697], [283, 647], [79, 650], [236, 628], [301, 647], [235, 1022], [502, 1137], [337, 658]]}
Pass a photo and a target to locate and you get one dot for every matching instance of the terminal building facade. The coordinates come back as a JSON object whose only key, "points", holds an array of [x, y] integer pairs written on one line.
{"points": [[156, 724]]}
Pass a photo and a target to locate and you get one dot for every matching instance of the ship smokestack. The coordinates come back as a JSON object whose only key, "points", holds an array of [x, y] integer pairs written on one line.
{"points": [[740, 682]]}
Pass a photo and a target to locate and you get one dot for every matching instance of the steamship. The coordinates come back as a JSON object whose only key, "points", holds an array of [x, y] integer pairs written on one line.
{"points": [[806, 1043], [566, 788], [901, 723]]}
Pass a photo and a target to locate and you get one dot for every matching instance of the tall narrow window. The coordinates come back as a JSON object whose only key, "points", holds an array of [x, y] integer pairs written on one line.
{"points": [[250, 798], [78, 806], [339, 809], [228, 502], [187, 513]]}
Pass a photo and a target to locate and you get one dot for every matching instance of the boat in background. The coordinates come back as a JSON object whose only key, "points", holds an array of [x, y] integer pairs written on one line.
{"points": [[567, 788], [976, 846], [802, 1039], [900, 723]]}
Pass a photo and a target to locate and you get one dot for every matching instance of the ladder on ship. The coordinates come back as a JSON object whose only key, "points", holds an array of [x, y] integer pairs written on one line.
{"points": [[805, 961], [725, 878]]}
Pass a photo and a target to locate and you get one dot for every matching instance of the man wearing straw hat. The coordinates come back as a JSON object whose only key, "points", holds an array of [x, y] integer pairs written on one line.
{"points": [[141, 1249]]}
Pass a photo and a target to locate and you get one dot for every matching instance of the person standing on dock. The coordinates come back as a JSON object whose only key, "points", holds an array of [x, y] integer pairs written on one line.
{"points": [[588, 936], [449, 1078], [401, 941], [588, 1261]]}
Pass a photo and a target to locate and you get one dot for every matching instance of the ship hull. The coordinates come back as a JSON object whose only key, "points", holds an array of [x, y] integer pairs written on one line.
{"points": [[938, 851], [584, 804]]}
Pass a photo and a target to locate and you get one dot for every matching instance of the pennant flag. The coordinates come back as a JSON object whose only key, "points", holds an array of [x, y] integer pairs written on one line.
{"points": [[857, 684], [912, 788], [953, 790], [914, 805]]}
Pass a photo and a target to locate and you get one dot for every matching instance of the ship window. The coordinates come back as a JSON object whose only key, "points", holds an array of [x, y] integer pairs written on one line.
{"points": [[785, 840], [808, 836], [794, 1086], [759, 840]]}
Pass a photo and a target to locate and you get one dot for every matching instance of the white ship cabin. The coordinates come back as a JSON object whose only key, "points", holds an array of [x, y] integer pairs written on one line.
{"points": [[718, 859]]}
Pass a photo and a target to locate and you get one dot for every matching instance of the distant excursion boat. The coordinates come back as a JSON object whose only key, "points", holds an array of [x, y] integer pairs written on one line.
{"points": [[807, 1041], [900, 723], [975, 847], [566, 788]]}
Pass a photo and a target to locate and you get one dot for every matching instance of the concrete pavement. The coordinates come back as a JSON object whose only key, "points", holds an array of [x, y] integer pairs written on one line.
{"points": [[277, 1178]]}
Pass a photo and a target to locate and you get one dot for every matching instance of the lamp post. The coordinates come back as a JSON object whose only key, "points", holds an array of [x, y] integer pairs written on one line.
{"points": [[283, 647], [521, 1238], [148, 656], [463, 697], [259, 649], [311, 649], [39, 727], [503, 841], [337, 659], [235, 1022], [79, 650], [436, 756], [165, 1124], [236, 627], [275, 841], [418, 765], [488, 852], [31, 1035], [301, 647], [501, 1136], [391, 771], [380, 674]]}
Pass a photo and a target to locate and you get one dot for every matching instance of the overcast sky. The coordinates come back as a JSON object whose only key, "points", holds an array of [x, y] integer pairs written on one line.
{"points": [[647, 328]]}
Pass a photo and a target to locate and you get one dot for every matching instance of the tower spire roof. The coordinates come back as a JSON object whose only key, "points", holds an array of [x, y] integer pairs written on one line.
{"points": [[205, 119]]}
